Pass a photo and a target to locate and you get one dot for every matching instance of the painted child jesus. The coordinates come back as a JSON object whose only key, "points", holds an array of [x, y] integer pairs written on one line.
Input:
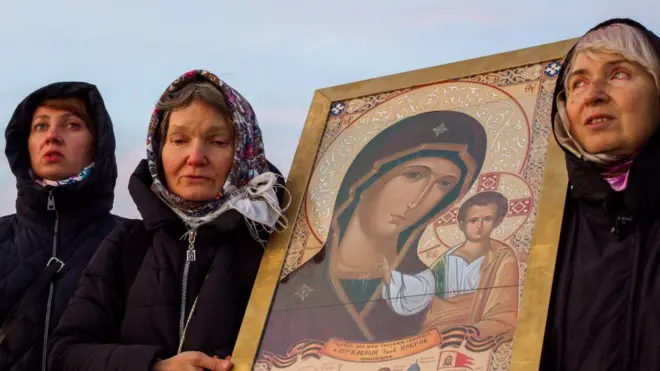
{"points": [[474, 283]]}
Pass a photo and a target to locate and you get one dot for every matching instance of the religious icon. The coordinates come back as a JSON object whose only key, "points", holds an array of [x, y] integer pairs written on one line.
{"points": [[411, 245]]}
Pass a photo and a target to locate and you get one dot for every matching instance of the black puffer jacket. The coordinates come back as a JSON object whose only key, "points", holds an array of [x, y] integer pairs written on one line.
{"points": [[604, 312], [72, 232], [106, 329]]}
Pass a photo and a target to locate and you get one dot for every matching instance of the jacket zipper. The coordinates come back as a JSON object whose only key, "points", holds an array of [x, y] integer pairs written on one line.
{"points": [[191, 256], [630, 305], [50, 207]]}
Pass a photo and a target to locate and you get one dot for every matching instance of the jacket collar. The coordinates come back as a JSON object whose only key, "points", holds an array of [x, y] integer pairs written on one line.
{"points": [[156, 214]]}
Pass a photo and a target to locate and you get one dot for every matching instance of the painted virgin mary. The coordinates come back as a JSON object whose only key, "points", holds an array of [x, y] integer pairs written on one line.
{"points": [[403, 179]]}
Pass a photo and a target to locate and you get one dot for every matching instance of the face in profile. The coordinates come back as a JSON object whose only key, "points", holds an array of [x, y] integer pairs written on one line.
{"points": [[406, 194], [60, 144], [480, 220], [612, 103], [198, 152]]}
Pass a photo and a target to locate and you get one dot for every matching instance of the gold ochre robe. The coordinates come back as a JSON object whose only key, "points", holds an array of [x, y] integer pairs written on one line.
{"points": [[492, 308]]}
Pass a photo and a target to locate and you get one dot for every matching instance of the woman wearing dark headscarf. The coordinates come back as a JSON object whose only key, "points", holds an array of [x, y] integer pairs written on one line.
{"points": [[61, 148], [404, 178], [169, 293], [604, 307]]}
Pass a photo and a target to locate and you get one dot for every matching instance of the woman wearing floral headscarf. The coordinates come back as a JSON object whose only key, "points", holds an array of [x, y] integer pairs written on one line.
{"points": [[169, 293]]}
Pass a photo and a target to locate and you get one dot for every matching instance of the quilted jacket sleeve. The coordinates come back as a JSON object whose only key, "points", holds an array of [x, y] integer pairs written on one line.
{"points": [[87, 335]]}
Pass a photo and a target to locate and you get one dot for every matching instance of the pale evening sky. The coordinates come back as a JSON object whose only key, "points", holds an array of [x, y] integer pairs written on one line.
{"points": [[276, 53]]}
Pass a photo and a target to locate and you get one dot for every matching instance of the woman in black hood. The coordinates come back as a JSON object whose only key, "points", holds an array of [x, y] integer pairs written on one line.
{"points": [[61, 148], [603, 313]]}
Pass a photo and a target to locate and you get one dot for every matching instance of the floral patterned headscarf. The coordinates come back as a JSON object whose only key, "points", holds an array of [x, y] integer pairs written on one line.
{"points": [[250, 186], [84, 173]]}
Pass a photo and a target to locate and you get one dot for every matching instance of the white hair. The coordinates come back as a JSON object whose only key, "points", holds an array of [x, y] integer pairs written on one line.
{"points": [[627, 41]]}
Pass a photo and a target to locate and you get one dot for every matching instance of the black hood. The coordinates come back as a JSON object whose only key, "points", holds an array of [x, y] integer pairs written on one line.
{"points": [[95, 194], [585, 177]]}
